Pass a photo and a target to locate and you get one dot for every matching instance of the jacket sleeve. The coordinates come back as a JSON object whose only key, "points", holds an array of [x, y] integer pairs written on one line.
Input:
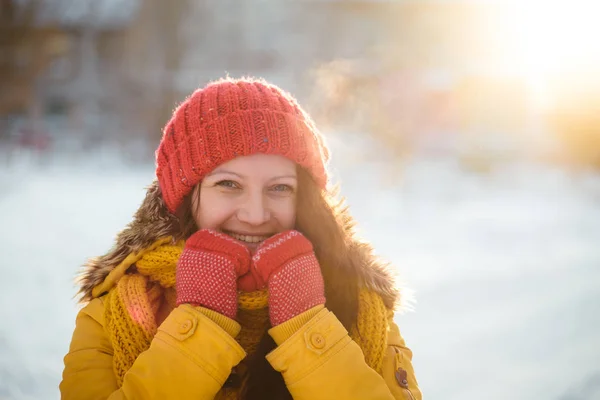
{"points": [[397, 365], [191, 356], [320, 361]]}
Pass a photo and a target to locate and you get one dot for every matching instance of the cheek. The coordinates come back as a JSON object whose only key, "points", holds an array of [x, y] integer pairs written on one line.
{"points": [[285, 213], [213, 210]]}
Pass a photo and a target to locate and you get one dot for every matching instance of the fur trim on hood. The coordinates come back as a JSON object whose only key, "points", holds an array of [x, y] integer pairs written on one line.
{"points": [[150, 222], [153, 221]]}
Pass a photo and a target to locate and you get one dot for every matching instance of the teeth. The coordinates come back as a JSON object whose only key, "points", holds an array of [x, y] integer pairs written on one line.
{"points": [[248, 238]]}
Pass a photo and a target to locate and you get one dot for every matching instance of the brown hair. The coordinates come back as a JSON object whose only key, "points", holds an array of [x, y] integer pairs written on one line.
{"points": [[316, 218]]}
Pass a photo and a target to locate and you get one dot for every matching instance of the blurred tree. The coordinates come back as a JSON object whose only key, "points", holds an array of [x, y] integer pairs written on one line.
{"points": [[171, 16], [144, 60], [26, 49]]}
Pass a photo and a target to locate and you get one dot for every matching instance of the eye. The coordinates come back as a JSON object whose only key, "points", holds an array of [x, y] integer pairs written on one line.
{"points": [[228, 184], [282, 188]]}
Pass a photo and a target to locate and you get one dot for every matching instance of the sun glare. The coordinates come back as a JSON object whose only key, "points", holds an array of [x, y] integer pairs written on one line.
{"points": [[558, 44]]}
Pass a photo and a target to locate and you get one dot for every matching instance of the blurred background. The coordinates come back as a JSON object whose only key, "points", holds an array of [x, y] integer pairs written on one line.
{"points": [[465, 137]]}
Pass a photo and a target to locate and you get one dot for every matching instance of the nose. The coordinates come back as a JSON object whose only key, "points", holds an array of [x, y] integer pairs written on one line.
{"points": [[254, 210]]}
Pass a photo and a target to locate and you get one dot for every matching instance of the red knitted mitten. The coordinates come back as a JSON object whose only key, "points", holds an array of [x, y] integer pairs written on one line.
{"points": [[288, 264], [208, 269]]}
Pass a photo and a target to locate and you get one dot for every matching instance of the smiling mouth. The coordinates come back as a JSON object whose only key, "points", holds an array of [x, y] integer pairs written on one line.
{"points": [[250, 239]]}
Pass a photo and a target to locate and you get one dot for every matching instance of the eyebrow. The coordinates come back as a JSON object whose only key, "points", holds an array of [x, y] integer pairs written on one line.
{"points": [[283, 176], [225, 171]]}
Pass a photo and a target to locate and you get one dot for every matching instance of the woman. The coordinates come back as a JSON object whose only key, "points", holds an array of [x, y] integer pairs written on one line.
{"points": [[239, 276]]}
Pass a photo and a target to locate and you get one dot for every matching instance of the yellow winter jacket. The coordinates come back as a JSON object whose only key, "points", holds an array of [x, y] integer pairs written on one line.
{"points": [[191, 357]]}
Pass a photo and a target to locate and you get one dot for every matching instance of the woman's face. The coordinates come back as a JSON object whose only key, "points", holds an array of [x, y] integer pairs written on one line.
{"points": [[249, 198]]}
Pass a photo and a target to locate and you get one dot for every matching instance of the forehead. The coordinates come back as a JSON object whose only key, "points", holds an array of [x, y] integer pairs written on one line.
{"points": [[264, 165]]}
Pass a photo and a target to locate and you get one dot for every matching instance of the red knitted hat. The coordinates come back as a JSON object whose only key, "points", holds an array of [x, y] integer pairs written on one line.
{"points": [[230, 118]]}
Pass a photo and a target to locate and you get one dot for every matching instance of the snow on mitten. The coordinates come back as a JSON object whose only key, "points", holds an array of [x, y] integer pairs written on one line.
{"points": [[287, 263], [208, 269]]}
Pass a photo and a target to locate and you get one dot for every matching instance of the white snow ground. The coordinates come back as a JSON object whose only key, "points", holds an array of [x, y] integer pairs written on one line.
{"points": [[505, 269]]}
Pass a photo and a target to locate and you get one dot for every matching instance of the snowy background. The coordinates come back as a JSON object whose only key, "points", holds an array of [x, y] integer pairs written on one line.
{"points": [[504, 267], [477, 134]]}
